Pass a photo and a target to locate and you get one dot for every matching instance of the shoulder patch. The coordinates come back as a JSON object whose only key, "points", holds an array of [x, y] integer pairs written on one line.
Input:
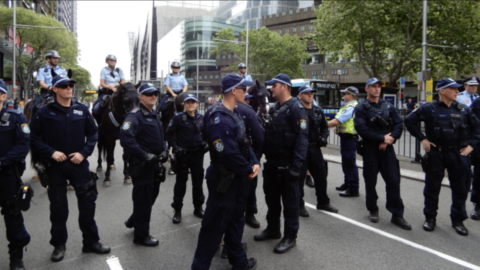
{"points": [[218, 145], [126, 125], [303, 123], [300, 105], [25, 128]]}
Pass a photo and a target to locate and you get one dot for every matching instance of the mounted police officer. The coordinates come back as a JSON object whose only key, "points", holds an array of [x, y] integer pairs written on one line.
{"points": [[110, 78], [175, 83], [379, 125], [45, 76], [470, 94], [233, 163], [317, 137], [64, 134], [184, 135], [247, 99], [345, 129], [452, 131], [142, 138], [286, 144], [242, 68], [15, 140]]}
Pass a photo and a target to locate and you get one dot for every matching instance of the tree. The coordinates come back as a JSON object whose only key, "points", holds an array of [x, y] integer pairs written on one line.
{"points": [[35, 42], [385, 37], [269, 52]]}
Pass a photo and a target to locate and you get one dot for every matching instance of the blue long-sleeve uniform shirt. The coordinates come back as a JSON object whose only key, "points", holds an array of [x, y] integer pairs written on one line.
{"points": [[142, 133], [185, 131], [68, 130], [366, 132], [14, 137]]}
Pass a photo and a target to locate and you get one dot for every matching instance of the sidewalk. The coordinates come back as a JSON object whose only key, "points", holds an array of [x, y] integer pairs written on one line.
{"points": [[408, 170]]}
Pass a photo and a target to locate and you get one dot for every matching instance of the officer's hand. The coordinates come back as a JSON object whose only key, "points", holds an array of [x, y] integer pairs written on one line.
{"points": [[388, 139], [76, 158], [150, 158], [426, 145], [382, 146], [295, 174], [256, 169], [59, 156], [174, 95], [163, 157], [465, 151]]}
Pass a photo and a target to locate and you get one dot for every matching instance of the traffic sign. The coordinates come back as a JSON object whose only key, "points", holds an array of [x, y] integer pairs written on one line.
{"points": [[402, 82], [90, 91]]}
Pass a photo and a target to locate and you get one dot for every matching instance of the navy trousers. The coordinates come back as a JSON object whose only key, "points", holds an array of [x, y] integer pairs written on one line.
{"points": [[78, 175], [194, 162], [278, 190], [17, 235], [224, 214], [458, 168], [385, 162], [316, 165], [475, 196], [348, 150]]}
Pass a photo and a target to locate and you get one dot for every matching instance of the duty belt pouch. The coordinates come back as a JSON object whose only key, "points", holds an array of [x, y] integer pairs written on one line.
{"points": [[425, 163], [226, 179], [42, 174], [163, 175], [23, 198]]}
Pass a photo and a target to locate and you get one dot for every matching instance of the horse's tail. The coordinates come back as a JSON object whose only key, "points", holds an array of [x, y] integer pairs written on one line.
{"points": [[102, 150]]}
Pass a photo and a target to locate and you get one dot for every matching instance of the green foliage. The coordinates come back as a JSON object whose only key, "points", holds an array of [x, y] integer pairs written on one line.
{"points": [[269, 53], [40, 40], [385, 37]]}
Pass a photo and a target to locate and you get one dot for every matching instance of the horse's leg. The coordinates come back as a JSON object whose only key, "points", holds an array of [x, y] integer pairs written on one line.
{"points": [[99, 161], [112, 164], [108, 145], [127, 180]]}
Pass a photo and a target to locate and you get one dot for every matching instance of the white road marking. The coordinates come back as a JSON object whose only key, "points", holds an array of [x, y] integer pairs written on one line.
{"points": [[114, 263], [401, 240]]}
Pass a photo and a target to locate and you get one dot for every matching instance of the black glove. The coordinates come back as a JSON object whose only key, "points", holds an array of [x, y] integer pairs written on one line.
{"points": [[322, 142], [163, 157], [205, 147], [294, 175], [150, 158]]}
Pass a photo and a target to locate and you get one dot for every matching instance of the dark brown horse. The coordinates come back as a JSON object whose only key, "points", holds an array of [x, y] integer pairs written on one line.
{"points": [[259, 101], [112, 117]]}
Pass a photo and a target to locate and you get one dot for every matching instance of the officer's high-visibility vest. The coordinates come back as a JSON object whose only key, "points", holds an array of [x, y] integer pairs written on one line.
{"points": [[348, 127]]}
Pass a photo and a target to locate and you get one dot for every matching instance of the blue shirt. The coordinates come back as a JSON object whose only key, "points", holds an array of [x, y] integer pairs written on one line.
{"points": [[109, 80], [247, 77], [176, 82], [466, 98], [45, 74], [347, 113]]}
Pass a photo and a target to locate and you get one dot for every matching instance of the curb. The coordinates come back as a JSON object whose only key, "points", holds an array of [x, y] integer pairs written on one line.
{"points": [[409, 174]]}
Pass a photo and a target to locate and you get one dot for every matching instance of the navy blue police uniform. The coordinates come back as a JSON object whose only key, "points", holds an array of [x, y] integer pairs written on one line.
{"points": [[232, 160], [256, 135], [373, 121], [286, 144], [184, 135], [68, 130], [142, 136], [317, 137], [450, 128], [15, 140]]}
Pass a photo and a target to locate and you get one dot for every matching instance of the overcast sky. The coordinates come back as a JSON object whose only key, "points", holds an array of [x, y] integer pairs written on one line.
{"points": [[103, 28]]}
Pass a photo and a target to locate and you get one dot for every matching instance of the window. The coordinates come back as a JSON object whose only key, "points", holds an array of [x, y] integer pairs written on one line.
{"points": [[280, 32], [287, 31], [270, 16], [290, 12], [223, 56], [211, 76], [305, 9], [234, 56], [345, 71], [284, 13], [298, 10], [314, 72], [334, 72], [276, 15], [229, 56], [294, 30], [199, 77], [216, 76], [310, 27], [324, 72], [302, 28]]}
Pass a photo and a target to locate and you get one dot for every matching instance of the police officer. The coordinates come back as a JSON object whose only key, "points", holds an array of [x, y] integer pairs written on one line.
{"points": [[452, 131], [470, 94], [175, 84], [15, 140], [247, 99], [184, 135], [110, 78], [64, 134], [45, 75], [317, 137], [286, 144], [475, 157], [242, 68], [345, 129], [142, 138], [232, 164], [379, 125]]}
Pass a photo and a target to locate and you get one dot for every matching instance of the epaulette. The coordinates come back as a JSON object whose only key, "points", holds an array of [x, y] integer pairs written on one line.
{"points": [[134, 110], [461, 106], [178, 113], [461, 93], [13, 111], [300, 105]]}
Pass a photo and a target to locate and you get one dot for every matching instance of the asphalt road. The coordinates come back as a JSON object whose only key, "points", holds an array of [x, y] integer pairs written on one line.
{"points": [[325, 241]]}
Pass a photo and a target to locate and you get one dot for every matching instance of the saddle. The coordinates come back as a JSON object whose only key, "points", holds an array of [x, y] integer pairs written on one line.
{"points": [[105, 101], [168, 105]]}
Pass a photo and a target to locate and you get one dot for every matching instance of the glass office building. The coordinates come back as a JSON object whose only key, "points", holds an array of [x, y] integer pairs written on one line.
{"points": [[241, 12]]}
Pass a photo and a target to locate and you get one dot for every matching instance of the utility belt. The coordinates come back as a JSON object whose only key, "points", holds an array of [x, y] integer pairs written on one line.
{"points": [[345, 135], [174, 91], [21, 201], [183, 151], [226, 178], [159, 170], [446, 148]]}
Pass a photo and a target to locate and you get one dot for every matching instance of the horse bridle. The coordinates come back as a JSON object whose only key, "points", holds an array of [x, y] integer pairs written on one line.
{"points": [[112, 107]]}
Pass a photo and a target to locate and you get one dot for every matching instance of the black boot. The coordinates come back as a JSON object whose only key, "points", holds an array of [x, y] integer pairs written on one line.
{"points": [[198, 212], [16, 256], [177, 216], [98, 248], [58, 253], [429, 224], [284, 245], [349, 193], [304, 212], [251, 264], [459, 227], [225, 251], [251, 221], [343, 187], [129, 223], [373, 217], [268, 234], [475, 215], [401, 222], [309, 181]]}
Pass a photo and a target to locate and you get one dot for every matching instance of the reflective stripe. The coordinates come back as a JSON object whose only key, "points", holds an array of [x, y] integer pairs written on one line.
{"points": [[348, 126]]}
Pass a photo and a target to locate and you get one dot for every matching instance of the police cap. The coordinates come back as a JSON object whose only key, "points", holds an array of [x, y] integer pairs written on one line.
{"points": [[232, 80], [281, 78], [3, 87]]}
